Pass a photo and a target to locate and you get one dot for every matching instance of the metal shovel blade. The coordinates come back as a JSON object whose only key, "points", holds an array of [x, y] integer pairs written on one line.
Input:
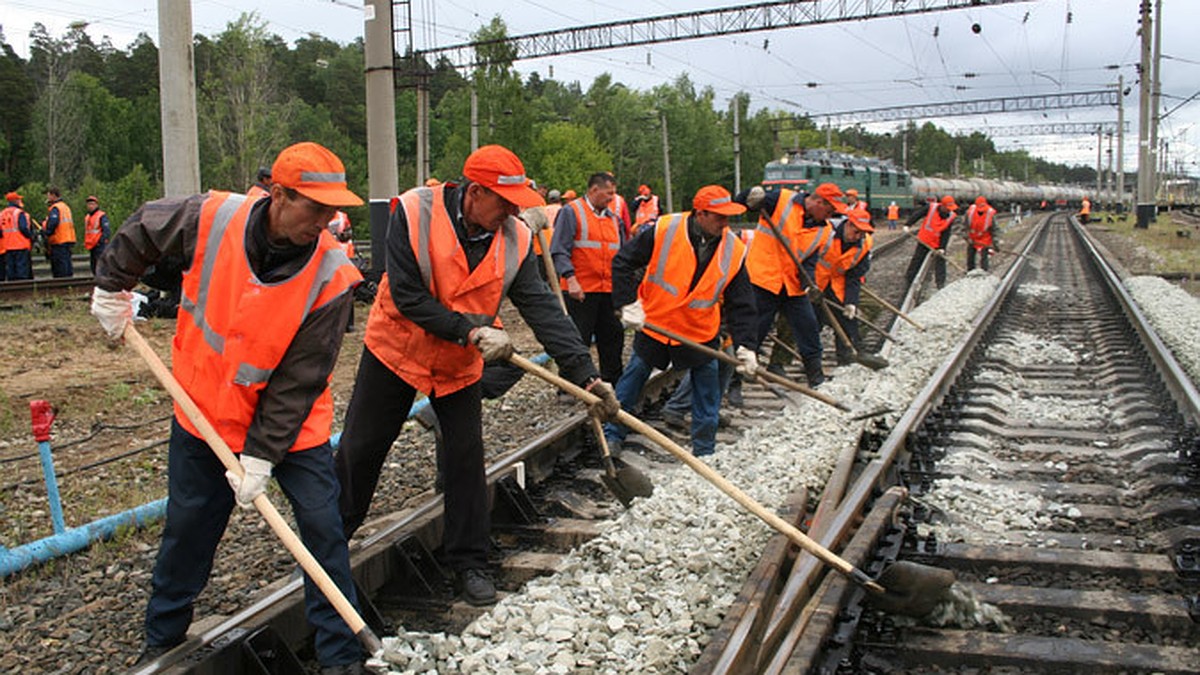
{"points": [[872, 361], [912, 589], [626, 483]]}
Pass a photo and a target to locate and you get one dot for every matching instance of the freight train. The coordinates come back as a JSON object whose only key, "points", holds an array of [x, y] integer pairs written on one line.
{"points": [[880, 182]]}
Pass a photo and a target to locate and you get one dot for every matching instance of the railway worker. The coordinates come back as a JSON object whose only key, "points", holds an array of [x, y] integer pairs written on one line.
{"points": [[96, 231], [693, 271], [647, 208], [60, 234], [255, 344], [853, 202], [621, 208], [934, 233], [778, 286], [893, 215], [1085, 211], [980, 222], [3, 256], [17, 228], [343, 233], [843, 263], [587, 235], [262, 184], [453, 253]]}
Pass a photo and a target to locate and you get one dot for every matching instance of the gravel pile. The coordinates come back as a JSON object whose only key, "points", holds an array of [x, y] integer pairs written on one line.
{"points": [[644, 595], [1175, 315], [1026, 349]]}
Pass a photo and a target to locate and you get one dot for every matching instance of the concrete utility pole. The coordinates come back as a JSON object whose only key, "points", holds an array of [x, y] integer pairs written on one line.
{"points": [[177, 102], [1145, 186], [1099, 166], [737, 147], [474, 119], [666, 163], [1120, 144], [422, 127], [382, 164], [1155, 105]]}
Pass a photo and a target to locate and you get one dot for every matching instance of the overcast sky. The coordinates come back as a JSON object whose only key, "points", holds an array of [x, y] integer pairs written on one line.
{"points": [[1025, 48]]}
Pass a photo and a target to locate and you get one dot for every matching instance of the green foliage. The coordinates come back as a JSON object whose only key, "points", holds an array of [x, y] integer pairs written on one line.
{"points": [[565, 155]]}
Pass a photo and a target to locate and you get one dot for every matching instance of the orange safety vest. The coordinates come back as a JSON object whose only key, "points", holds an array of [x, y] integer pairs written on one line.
{"points": [[1085, 208], [420, 358], [746, 235], [664, 292], [233, 330], [833, 263], [14, 240], [256, 191], [551, 214], [65, 232], [597, 240], [621, 210], [933, 226], [893, 212], [981, 226], [91, 229], [770, 267], [647, 211]]}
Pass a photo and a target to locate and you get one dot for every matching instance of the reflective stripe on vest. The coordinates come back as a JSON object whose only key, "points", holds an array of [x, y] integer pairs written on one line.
{"points": [[834, 261], [91, 229], [770, 267], [597, 240], [980, 225], [10, 225], [65, 232], [931, 233]]}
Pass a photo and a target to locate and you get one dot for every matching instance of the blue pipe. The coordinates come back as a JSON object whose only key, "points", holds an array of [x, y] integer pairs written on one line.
{"points": [[78, 538], [56, 512]]}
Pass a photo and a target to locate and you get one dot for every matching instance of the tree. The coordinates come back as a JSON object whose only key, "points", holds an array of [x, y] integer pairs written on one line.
{"points": [[58, 124], [565, 155], [15, 116]]}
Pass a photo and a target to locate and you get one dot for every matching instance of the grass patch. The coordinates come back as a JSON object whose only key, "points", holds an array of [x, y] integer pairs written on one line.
{"points": [[1170, 244]]}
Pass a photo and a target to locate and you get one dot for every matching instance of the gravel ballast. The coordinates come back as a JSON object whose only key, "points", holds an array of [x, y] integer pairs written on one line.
{"points": [[1175, 315]]}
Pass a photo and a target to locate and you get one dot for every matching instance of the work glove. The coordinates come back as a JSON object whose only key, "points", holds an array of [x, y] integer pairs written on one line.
{"points": [[749, 361], [633, 316], [851, 311], [535, 217], [493, 343], [113, 309], [754, 198], [608, 406], [814, 293], [249, 486], [907, 229], [574, 289]]}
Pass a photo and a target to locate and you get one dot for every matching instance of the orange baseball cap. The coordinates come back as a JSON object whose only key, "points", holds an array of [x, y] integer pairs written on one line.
{"points": [[948, 202], [981, 200], [860, 220], [498, 169], [831, 193], [852, 192], [13, 197], [315, 172], [643, 189], [92, 198], [716, 199]]}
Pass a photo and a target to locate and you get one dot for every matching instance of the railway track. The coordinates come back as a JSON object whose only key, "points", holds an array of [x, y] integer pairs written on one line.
{"points": [[14, 294]]}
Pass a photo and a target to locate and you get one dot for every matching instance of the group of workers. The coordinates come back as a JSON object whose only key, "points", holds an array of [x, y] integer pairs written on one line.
{"points": [[268, 290], [19, 231]]}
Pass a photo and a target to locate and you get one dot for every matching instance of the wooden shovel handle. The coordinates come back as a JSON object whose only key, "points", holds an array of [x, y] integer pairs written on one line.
{"points": [[707, 473], [890, 307], [551, 273], [280, 526]]}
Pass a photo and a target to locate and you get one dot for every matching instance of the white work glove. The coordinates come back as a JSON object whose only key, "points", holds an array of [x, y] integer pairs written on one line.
{"points": [[633, 316], [755, 197], [749, 361], [574, 289], [493, 343], [114, 309], [608, 406], [851, 311], [907, 229], [535, 217], [248, 487]]}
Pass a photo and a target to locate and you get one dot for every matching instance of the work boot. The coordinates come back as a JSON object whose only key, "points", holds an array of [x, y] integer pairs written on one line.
{"points": [[813, 372], [152, 652], [776, 369], [426, 417], [674, 419], [734, 395], [477, 587], [724, 419]]}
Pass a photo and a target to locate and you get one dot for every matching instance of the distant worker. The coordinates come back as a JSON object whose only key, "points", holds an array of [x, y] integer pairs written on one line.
{"points": [[778, 286], [17, 228], [934, 234], [1085, 211], [3, 256], [587, 235], [339, 226], [893, 215], [545, 222], [842, 264], [691, 269], [454, 252], [60, 234], [432, 182], [262, 184], [853, 202], [96, 231], [981, 218], [621, 208], [646, 208]]}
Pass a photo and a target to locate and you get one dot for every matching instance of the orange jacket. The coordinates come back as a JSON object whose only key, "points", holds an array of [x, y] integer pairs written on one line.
{"points": [[233, 330], [647, 212], [694, 313], [980, 222], [893, 212], [597, 241], [551, 213], [423, 360], [14, 240], [933, 226], [92, 232], [1085, 208], [65, 232], [833, 262], [769, 265]]}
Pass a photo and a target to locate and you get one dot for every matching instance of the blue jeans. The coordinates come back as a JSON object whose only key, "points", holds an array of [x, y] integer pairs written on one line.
{"points": [[802, 318], [681, 399], [199, 502], [61, 264], [706, 401], [19, 264]]}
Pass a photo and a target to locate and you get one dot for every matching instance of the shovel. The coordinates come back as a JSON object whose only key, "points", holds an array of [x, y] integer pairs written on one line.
{"points": [[624, 483], [890, 307], [872, 361], [863, 320], [937, 252], [909, 589], [282, 530]]}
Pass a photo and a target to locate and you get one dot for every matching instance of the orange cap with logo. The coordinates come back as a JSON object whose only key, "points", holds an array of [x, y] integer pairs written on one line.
{"points": [[981, 200], [948, 202], [643, 189], [13, 197], [831, 193], [716, 199], [498, 169], [315, 172], [861, 220], [852, 192]]}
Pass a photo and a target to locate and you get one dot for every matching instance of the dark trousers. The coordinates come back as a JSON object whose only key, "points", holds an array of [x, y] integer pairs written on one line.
{"points": [[594, 317], [939, 262], [199, 502], [983, 257], [60, 260], [19, 264], [803, 321], [705, 385], [94, 254], [3, 267], [850, 326], [377, 410]]}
